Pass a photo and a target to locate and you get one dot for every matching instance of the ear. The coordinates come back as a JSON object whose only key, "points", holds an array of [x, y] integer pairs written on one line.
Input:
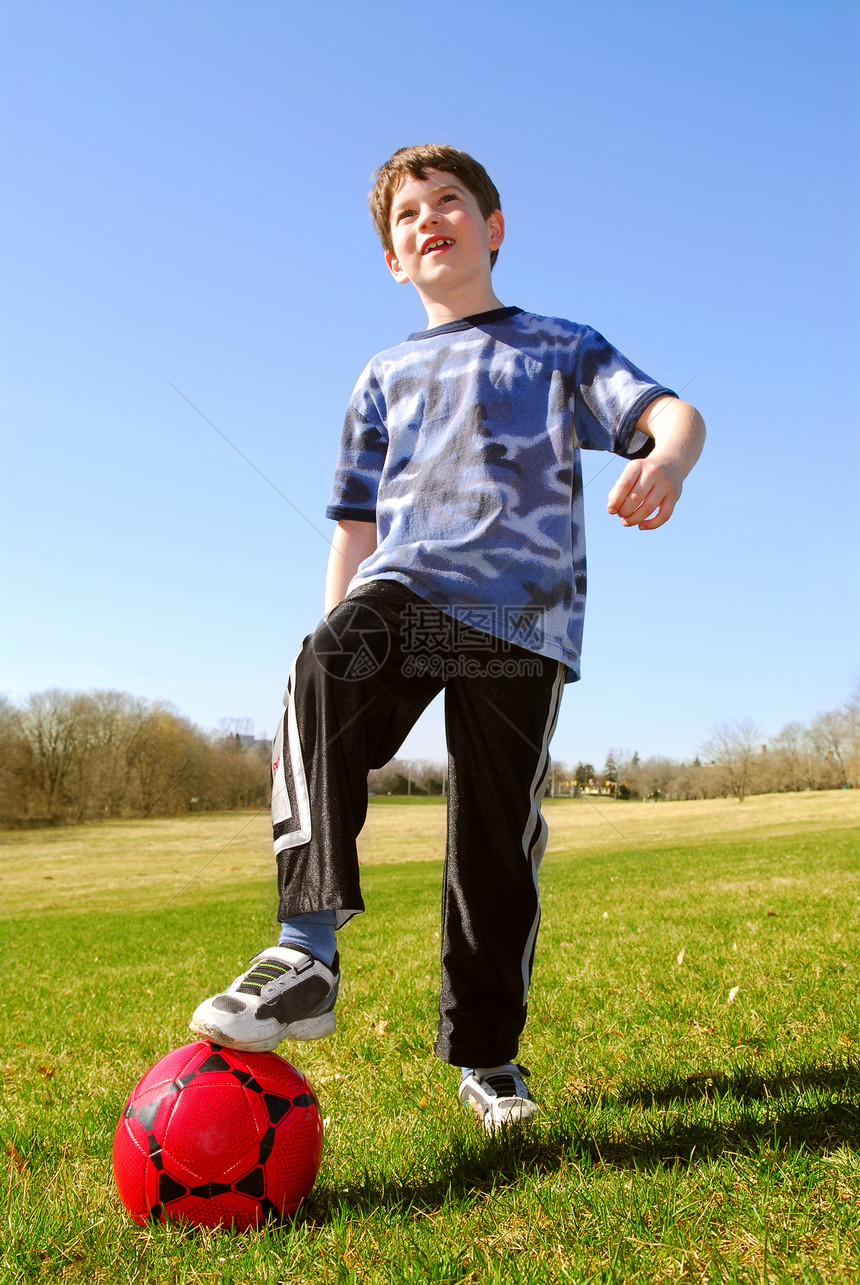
{"points": [[395, 269], [496, 226]]}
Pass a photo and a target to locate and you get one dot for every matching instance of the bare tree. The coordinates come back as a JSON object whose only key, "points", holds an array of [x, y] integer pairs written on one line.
{"points": [[687, 781], [852, 737], [560, 779], [736, 748], [162, 758], [51, 723], [15, 766], [627, 767], [793, 762], [408, 776], [75, 756], [656, 775], [834, 736]]}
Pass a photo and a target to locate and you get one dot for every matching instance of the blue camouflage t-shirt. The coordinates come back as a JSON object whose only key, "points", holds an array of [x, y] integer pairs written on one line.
{"points": [[463, 445]]}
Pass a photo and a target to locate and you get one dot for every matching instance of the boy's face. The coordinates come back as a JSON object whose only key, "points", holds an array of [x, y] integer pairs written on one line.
{"points": [[440, 237]]}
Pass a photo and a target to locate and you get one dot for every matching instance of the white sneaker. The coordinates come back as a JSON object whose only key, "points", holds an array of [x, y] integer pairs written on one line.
{"points": [[285, 994], [498, 1095]]}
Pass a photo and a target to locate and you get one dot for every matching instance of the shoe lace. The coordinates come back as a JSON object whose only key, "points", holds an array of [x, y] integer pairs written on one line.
{"points": [[267, 970], [503, 1084]]}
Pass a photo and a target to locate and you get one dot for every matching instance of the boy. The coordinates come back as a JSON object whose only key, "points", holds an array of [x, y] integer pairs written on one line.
{"points": [[457, 563]]}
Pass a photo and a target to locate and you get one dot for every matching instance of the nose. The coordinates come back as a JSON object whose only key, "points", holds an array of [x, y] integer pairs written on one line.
{"points": [[428, 216]]}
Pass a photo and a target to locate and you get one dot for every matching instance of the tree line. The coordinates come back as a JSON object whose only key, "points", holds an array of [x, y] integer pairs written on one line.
{"points": [[735, 760], [84, 756]]}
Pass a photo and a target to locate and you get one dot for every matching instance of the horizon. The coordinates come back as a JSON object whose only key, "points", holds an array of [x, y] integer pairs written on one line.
{"points": [[624, 756]]}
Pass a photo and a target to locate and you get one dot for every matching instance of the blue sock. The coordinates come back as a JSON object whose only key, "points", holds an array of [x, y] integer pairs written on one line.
{"points": [[313, 932]]}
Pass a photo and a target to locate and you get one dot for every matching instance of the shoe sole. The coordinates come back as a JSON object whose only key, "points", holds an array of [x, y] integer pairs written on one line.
{"points": [[309, 1028]]}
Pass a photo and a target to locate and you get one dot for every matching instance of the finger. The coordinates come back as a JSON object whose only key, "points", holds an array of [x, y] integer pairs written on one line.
{"points": [[640, 505], [622, 488], [663, 514]]}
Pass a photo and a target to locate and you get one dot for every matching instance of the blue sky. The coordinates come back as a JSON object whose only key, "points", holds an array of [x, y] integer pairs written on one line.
{"points": [[186, 203]]}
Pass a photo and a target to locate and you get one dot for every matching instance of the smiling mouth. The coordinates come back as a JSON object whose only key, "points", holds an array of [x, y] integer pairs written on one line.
{"points": [[437, 245]]}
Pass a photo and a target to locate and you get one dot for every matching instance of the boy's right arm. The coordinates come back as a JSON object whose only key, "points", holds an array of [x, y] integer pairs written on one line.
{"points": [[352, 543]]}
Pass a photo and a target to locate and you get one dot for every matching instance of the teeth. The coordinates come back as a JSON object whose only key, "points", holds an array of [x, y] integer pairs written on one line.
{"points": [[434, 245]]}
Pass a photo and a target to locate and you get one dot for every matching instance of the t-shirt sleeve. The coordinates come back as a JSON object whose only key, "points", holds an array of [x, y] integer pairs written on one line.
{"points": [[363, 446], [611, 394]]}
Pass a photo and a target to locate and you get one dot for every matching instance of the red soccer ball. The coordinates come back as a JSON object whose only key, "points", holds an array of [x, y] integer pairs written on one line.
{"points": [[219, 1138]]}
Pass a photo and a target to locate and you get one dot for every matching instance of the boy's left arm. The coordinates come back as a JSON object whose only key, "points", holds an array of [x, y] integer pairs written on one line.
{"points": [[647, 491]]}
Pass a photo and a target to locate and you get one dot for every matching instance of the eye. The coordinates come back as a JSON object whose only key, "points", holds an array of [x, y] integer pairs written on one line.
{"points": [[449, 196], [403, 214]]}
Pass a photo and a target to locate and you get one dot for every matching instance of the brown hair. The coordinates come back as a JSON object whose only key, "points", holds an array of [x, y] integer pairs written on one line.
{"points": [[417, 161]]}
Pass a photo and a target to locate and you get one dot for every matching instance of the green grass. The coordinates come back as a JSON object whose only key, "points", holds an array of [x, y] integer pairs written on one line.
{"points": [[692, 1035]]}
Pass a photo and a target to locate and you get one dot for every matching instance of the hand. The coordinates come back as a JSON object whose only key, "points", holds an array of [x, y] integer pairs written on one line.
{"points": [[646, 493]]}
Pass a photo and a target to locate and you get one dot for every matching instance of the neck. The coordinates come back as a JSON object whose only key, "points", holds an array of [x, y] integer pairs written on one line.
{"points": [[452, 306]]}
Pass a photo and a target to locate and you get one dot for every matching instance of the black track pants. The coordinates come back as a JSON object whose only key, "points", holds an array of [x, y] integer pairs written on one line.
{"points": [[357, 688]]}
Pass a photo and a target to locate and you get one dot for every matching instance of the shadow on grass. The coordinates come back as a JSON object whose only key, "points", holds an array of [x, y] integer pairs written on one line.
{"points": [[748, 1086], [462, 1171], [813, 1110]]}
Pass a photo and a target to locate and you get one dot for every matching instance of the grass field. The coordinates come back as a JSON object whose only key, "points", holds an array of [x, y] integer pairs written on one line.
{"points": [[693, 1036]]}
